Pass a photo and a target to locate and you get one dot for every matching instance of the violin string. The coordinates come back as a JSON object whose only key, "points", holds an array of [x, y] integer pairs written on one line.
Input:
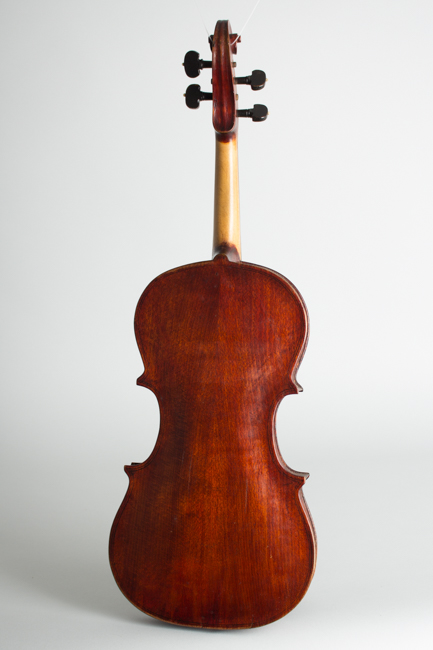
{"points": [[201, 17], [243, 28], [247, 21]]}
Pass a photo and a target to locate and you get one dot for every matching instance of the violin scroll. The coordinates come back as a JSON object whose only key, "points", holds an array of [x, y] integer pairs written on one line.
{"points": [[223, 45]]}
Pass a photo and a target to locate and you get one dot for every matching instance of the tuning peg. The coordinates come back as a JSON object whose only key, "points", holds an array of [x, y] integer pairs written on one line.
{"points": [[193, 64], [258, 114], [256, 80], [194, 96]]}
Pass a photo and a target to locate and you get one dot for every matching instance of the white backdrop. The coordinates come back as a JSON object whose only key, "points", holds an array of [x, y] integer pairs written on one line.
{"points": [[107, 181]]}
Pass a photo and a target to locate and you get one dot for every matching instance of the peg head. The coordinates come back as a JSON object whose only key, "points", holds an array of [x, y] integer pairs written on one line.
{"points": [[258, 113], [193, 64], [256, 80], [194, 96]]}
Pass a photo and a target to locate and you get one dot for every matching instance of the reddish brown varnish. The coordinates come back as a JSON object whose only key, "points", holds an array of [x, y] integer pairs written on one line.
{"points": [[223, 95], [213, 531]]}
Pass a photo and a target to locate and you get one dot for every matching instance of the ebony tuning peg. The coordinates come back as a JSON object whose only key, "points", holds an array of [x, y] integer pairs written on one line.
{"points": [[193, 64], [258, 114], [256, 80], [194, 96]]}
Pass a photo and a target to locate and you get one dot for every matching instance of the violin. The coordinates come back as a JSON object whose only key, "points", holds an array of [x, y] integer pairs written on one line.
{"points": [[214, 531]]}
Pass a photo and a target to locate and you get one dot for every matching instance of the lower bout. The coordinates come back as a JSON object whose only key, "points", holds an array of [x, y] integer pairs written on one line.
{"points": [[229, 593]]}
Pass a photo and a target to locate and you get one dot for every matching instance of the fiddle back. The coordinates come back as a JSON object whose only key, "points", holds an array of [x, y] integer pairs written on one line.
{"points": [[214, 531]]}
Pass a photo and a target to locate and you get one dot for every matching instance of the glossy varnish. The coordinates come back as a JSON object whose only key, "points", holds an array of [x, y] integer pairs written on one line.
{"points": [[213, 531]]}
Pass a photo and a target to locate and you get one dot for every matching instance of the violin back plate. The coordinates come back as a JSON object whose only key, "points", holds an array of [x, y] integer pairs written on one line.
{"points": [[213, 531]]}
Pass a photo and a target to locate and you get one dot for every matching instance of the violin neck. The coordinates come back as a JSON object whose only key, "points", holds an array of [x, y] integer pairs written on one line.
{"points": [[227, 235]]}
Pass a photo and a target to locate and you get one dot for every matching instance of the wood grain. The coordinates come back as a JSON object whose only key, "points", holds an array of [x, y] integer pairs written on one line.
{"points": [[213, 531], [227, 233], [223, 86], [227, 237]]}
